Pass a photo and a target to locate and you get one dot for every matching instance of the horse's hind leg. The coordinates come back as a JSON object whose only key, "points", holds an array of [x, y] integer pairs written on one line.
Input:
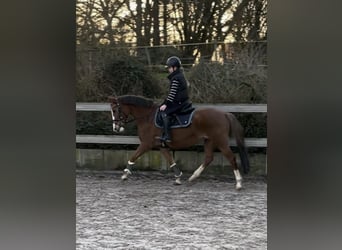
{"points": [[227, 152], [172, 164], [209, 156]]}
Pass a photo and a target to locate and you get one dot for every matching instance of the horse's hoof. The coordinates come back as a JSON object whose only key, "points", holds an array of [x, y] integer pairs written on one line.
{"points": [[238, 187], [125, 175], [177, 182]]}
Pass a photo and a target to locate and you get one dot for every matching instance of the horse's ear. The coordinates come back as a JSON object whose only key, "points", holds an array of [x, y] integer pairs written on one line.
{"points": [[112, 99]]}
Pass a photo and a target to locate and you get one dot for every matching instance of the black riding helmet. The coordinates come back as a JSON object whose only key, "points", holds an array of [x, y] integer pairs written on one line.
{"points": [[173, 61]]}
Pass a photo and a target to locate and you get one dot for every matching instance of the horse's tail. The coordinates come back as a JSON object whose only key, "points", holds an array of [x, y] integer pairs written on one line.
{"points": [[237, 132]]}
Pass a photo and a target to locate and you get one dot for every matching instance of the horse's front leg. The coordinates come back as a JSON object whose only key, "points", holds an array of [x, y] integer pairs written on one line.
{"points": [[131, 162], [172, 164]]}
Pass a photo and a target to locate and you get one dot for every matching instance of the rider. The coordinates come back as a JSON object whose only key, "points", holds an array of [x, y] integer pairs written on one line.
{"points": [[177, 97]]}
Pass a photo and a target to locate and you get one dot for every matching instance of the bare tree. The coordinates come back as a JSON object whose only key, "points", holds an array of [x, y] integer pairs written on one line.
{"points": [[85, 23], [97, 21], [202, 21], [150, 22], [249, 21], [156, 26]]}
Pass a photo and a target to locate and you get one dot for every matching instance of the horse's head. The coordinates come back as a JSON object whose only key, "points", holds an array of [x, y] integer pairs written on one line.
{"points": [[119, 114]]}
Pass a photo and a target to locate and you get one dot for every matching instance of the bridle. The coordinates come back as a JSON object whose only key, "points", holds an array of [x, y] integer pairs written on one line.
{"points": [[123, 117]]}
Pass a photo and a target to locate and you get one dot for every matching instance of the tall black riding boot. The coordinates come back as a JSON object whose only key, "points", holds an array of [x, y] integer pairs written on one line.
{"points": [[166, 122]]}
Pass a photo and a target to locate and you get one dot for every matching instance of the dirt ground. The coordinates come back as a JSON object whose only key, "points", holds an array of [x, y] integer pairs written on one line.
{"points": [[148, 212]]}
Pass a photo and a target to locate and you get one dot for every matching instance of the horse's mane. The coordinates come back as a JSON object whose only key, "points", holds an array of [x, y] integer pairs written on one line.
{"points": [[136, 100]]}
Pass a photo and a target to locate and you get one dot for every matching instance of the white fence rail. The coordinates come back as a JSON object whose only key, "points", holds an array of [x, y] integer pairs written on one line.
{"points": [[243, 108], [117, 139]]}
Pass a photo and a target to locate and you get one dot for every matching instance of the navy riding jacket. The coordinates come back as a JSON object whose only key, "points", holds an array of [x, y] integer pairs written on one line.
{"points": [[178, 96]]}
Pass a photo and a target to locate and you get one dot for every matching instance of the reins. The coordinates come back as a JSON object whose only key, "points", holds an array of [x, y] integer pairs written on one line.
{"points": [[125, 119]]}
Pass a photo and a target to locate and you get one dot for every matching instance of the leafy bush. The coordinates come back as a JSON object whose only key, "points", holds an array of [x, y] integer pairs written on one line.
{"points": [[235, 81], [126, 75], [227, 83], [119, 76]]}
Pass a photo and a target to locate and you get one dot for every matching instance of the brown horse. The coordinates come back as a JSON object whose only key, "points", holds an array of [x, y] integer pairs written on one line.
{"points": [[210, 126]]}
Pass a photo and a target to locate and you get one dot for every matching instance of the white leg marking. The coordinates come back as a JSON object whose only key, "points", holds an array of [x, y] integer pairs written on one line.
{"points": [[127, 171], [113, 117], [238, 179], [178, 181], [125, 174], [196, 173]]}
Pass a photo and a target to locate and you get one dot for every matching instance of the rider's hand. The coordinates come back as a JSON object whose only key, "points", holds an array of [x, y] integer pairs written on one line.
{"points": [[162, 107]]}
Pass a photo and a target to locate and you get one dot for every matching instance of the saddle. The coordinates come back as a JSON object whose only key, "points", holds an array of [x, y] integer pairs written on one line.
{"points": [[180, 120]]}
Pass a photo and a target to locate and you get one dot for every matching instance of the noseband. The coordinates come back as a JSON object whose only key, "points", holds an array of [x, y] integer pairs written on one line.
{"points": [[122, 116]]}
